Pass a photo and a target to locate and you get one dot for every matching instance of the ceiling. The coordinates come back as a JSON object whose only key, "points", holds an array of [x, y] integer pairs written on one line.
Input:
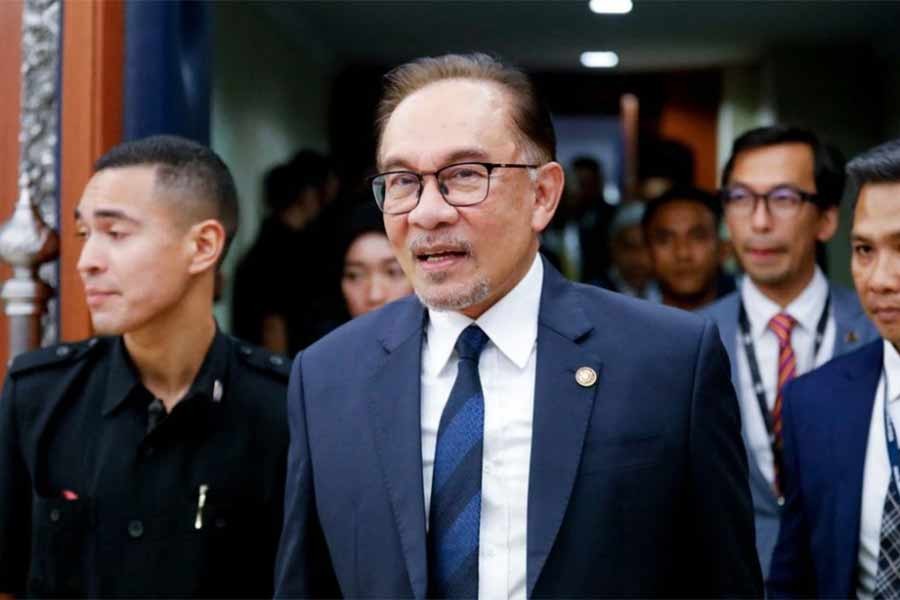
{"points": [[550, 35]]}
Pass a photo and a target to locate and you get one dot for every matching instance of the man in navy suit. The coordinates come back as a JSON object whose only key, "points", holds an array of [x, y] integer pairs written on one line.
{"points": [[840, 532], [506, 433], [781, 190]]}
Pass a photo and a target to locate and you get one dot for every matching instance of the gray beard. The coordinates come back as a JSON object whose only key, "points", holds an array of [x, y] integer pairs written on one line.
{"points": [[476, 293]]}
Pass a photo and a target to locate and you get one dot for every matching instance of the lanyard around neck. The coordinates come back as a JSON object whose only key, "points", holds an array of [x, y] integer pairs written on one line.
{"points": [[890, 434], [747, 340]]}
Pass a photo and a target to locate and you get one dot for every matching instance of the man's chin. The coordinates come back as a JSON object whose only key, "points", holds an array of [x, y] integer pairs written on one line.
{"points": [[103, 327], [773, 276], [453, 297]]}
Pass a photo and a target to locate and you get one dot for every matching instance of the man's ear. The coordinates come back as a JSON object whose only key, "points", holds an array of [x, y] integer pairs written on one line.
{"points": [[548, 189], [828, 224], [207, 239]]}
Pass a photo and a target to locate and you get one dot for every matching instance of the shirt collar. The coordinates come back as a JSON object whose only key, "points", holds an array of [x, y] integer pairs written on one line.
{"points": [[511, 323], [892, 370], [123, 377], [806, 308]]}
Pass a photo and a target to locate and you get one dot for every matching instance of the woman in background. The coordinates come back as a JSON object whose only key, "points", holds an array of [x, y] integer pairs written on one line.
{"points": [[371, 275]]}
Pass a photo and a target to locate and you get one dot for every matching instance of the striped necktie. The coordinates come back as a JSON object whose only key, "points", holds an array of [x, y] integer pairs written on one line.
{"points": [[781, 324], [455, 515], [887, 578]]}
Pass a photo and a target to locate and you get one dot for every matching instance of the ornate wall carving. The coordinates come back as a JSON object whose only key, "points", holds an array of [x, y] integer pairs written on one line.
{"points": [[39, 129]]}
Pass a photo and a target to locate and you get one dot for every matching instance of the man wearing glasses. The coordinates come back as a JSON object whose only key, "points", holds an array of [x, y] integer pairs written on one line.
{"points": [[505, 433], [781, 191]]}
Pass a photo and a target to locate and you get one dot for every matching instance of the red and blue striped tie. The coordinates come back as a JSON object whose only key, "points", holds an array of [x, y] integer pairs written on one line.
{"points": [[455, 515], [781, 324]]}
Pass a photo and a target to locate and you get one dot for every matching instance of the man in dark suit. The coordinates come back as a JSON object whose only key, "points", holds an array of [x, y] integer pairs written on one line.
{"points": [[839, 534], [781, 191], [507, 433]]}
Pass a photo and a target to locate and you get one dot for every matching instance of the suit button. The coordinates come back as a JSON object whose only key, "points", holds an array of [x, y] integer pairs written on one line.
{"points": [[220, 522], [135, 529], [55, 515]]}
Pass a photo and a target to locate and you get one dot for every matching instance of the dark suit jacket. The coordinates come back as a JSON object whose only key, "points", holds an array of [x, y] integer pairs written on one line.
{"points": [[826, 421], [638, 484], [853, 330]]}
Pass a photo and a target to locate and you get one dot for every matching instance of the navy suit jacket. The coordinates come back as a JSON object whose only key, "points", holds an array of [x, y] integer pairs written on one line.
{"points": [[638, 484], [853, 330], [826, 431]]}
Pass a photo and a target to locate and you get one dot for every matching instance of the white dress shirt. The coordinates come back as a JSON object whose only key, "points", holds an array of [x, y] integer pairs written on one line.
{"points": [[806, 309], [507, 372], [877, 473]]}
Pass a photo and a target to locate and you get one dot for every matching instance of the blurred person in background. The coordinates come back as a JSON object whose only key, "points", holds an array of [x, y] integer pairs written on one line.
{"points": [[631, 271], [663, 164], [577, 237], [681, 229], [275, 305], [781, 189], [372, 276]]}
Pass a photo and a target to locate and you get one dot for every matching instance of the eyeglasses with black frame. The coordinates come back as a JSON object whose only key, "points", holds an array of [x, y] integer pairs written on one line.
{"points": [[460, 184], [782, 201]]}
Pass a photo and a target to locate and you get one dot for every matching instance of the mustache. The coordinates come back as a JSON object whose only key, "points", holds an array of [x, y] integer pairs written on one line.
{"points": [[424, 243]]}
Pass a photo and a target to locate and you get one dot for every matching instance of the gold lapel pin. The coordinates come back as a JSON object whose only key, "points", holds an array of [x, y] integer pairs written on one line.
{"points": [[586, 376], [852, 338]]}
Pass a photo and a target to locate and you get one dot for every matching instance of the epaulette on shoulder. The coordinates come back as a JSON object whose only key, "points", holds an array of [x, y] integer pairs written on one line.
{"points": [[264, 360], [69, 352]]}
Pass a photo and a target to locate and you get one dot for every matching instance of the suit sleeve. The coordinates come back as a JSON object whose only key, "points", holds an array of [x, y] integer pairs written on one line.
{"points": [[15, 500], [791, 574], [720, 492], [303, 566]]}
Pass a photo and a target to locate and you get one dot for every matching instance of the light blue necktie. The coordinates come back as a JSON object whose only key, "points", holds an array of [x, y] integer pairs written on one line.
{"points": [[455, 514]]}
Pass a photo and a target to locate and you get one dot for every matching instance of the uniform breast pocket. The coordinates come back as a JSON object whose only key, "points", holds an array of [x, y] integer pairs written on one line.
{"points": [[187, 551], [59, 530], [609, 455]]}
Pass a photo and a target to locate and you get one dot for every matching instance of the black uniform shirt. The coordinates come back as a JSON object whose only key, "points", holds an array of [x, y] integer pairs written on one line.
{"points": [[109, 496]]}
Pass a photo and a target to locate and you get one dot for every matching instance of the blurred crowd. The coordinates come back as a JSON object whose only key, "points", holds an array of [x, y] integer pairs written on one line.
{"points": [[666, 245], [342, 263]]}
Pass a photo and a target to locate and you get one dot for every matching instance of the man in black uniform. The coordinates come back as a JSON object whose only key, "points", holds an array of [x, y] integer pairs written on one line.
{"points": [[150, 462]]}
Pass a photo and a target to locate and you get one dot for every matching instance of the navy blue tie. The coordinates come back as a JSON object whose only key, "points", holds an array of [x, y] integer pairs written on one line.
{"points": [[455, 515]]}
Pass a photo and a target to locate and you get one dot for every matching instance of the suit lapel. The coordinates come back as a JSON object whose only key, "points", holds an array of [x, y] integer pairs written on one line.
{"points": [[728, 331], [562, 411], [395, 406], [854, 397]]}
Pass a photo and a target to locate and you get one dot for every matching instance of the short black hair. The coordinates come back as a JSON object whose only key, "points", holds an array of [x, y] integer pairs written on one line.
{"points": [[828, 162], [185, 165], [683, 193], [587, 162], [363, 218], [880, 164], [667, 159], [284, 183]]}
